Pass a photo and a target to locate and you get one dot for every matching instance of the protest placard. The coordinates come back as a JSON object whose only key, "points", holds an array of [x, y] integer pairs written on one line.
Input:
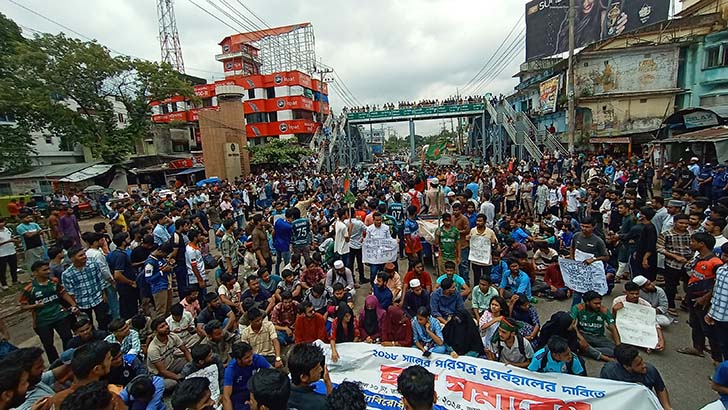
{"points": [[636, 325], [580, 277], [379, 251], [472, 383], [480, 248], [210, 373]]}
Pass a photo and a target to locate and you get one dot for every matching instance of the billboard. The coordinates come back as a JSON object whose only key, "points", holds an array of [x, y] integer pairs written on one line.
{"points": [[547, 24], [549, 94]]}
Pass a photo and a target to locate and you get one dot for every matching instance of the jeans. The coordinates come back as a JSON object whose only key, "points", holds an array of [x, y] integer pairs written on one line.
{"points": [[355, 256], [373, 270], [10, 261], [598, 346], [102, 314], [112, 299], [218, 239], [464, 268], [672, 279], [721, 336], [282, 256], [701, 330], [128, 303], [283, 338], [45, 333], [480, 270]]}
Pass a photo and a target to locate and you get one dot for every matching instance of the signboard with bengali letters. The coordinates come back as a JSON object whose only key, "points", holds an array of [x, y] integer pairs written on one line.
{"points": [[480, 249], [580, 277], [419, 111], [379, 251], [471, 383], [636, 325]]}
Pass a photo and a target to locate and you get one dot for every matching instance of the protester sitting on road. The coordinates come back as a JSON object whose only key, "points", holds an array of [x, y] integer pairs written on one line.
{"points": [[396, 328], [244, 363], [556, 357], [592, 319], [415, 298], [445, 301], [515, 281], [144, 392], [631, 368], [490, 319], [427, 333], [346, 396], [126, 337], [462, 335], [344, 329], [632, 295], [371, 319], [656, 297], [167, 354], [307, 365], [310, 325], [192, 394], [261, 334], [509, 346], [460, 286], [41, 381], [85, 332], [417, 387], [270, 389], [219, 340], [215, 310]]}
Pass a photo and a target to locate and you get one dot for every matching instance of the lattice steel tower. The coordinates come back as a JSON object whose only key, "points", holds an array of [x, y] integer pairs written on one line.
{"points": [[168, 35]]}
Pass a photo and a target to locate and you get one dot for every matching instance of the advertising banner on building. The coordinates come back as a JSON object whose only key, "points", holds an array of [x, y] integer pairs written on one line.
{"points": [[547, 27], [549, 94], [471, 383]]}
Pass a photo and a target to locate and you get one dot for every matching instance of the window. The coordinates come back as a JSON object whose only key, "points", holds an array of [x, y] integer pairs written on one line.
{"points": [[49, 139], [7, 117], [121, 117], [251, 93], [643, 100], [712, 57], [207, 102], [270, 92]]}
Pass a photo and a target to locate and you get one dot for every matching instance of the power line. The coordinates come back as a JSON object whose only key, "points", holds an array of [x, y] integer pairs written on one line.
{"points": [[87, 38], [506, 52], [513, 53], [485, 66]]}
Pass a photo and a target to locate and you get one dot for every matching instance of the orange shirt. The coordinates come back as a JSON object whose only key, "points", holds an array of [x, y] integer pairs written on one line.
{"points": [[309, 330]]}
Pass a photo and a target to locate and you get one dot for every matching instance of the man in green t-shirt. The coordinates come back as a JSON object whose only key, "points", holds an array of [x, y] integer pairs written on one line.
{"points": [[446, 238], [591, 320], [42, 296]]}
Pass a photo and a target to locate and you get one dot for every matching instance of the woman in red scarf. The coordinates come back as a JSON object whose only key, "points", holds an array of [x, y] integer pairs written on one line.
{"points": [[396, 329]]}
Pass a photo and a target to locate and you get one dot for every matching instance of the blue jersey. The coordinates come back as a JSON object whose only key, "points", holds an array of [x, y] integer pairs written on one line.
{"points": [[301, 232], [397, 211]]}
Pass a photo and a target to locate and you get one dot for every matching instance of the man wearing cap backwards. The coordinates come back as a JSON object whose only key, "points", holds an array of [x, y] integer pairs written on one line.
{"points": [[656, 297], [510, 347], [435, 198]]}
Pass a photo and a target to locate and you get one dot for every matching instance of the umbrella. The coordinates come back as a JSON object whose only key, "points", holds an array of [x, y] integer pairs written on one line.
{"points": [[93, 189]]}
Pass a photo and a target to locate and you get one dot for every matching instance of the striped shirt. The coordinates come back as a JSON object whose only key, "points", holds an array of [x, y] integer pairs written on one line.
{"points": [[86, 284]]}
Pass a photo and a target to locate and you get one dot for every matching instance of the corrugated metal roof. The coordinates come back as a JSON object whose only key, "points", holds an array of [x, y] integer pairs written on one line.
{"points": [[253, 36], [88, 173], [707, 135], [50, 171]]}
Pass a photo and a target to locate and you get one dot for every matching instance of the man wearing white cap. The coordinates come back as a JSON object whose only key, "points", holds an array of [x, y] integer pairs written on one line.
{"points": [[340, 274], [435, 198], [695, 169], [415, 298], [656, 297]]}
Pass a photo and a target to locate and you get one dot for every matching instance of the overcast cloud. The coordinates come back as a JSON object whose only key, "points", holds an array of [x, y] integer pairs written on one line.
{"points": [[384, 50]]}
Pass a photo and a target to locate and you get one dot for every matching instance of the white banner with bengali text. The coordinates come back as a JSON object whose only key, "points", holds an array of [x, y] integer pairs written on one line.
{"points": [[471, 383], [636, 325], [210, 373], [480, 249], [580, 277], [379, 251]]}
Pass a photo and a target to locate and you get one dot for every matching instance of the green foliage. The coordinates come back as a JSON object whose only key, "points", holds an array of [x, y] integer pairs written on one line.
{"points": [[73, 90], [279, 152]]}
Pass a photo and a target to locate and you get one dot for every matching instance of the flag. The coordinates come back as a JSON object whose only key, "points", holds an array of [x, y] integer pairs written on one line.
{"points": [[349, 197], [434, 151]]}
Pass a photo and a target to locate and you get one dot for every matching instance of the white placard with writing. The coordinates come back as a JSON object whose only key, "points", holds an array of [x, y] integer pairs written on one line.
{"points": [[636, 325], [210, 373], [379, 251], [580, 277], [480, 249]]}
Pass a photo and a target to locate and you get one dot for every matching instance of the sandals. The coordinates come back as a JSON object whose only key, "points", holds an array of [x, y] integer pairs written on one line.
{"points": [[672, 312], [690, 351]]}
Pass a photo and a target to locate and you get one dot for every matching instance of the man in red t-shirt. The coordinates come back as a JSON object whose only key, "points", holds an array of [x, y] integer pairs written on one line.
{"points": [[13, 208], [417, 272], [310, 326]]}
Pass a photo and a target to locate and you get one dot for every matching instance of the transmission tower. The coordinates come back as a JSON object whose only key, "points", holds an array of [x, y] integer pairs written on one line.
{"points": [[168, 35]]}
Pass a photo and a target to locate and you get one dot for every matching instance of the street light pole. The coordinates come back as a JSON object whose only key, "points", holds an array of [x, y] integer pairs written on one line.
{"points": [[570, 80]]}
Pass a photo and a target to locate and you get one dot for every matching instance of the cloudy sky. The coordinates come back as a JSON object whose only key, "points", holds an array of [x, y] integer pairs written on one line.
{"points": [[383, 50]]}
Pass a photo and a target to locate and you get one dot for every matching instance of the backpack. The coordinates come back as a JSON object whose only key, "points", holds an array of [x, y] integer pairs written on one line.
{"points": [[521, 347], [545, 361], [414, 200]]}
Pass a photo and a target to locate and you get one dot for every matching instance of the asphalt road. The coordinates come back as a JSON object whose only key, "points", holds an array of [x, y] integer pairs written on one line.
{"points": [[686, 377]]}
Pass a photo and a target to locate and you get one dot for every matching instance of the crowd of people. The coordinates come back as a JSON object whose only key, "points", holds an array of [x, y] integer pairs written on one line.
{"points": [[454, 100], [246, 275]]}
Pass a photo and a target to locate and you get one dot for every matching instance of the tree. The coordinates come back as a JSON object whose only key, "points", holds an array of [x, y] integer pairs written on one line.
{"points": [[280, 152], [75, 89]]}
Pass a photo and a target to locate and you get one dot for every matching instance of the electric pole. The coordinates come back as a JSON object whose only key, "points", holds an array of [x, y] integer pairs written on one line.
{"points": [[571, 116]]}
